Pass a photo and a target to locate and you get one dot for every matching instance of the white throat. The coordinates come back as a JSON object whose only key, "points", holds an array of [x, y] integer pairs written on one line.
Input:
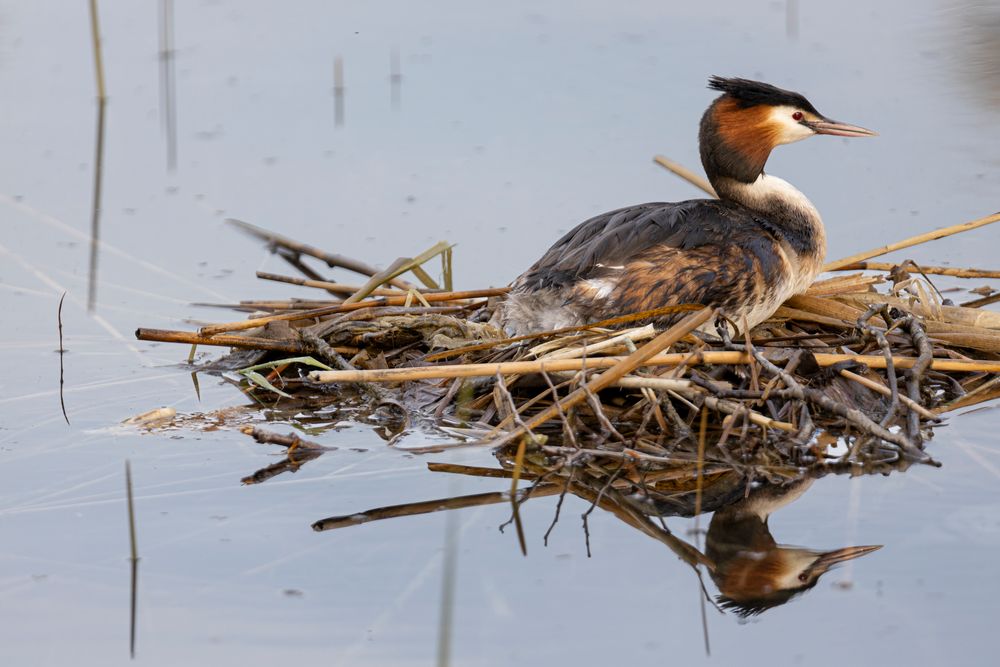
{"points": [[770, 192]]}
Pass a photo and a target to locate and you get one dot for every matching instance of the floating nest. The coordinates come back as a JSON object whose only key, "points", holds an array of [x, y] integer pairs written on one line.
{"points": [[851, 376]]}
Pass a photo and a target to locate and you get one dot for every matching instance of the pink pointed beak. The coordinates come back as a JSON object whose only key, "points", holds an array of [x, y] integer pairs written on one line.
{"points": [[827, 126]]}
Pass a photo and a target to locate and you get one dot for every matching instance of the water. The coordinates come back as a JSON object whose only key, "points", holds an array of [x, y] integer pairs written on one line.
{"points": [[510, 123]]}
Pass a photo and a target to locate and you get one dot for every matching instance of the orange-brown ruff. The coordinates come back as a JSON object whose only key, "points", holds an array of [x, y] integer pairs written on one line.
{"points": [[758, 244]]}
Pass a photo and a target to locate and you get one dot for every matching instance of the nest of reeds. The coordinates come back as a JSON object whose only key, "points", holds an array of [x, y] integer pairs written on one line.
{"points": [[851, 376]]}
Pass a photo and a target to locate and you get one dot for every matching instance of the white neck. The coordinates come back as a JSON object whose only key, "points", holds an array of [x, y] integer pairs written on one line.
{"points": [[784, 206]]}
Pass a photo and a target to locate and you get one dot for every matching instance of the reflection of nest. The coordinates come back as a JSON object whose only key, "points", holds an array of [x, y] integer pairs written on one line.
{"points": [[841, 377], [751, 570]]}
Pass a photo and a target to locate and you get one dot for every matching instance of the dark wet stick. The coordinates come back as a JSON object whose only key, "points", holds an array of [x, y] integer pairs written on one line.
{"points": [[62, 352]]}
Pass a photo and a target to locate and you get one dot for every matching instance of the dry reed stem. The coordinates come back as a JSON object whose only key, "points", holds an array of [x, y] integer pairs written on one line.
{"points": [[331, 259], [984, 320], [691, 177], [912, 241], [429, 506], [612, 322], [623, 366], [293, 346], [336, 288], [698, 358], [397, 268], [345, 307], [932, 270], [572, 352]]}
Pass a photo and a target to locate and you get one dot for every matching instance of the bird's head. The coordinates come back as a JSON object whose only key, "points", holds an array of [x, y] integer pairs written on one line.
{"points": [[750, 118], [756, 581]]}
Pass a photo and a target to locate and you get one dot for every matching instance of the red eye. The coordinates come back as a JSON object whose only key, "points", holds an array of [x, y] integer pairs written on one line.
{"points": [[797, 115]]}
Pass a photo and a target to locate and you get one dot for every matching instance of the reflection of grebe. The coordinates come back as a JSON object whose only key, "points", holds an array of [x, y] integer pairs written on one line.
{"points": [[759, 243], [753, 572]]}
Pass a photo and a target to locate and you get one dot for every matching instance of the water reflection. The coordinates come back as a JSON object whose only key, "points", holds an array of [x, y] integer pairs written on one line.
{"points": [[338, 91], [751, 570], [395, 80]]}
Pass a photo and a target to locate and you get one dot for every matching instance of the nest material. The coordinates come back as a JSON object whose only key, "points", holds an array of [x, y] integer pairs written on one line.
{"points": [[843, 377]]}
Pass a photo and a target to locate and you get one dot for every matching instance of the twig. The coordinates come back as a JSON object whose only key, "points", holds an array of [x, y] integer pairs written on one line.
{"points": [[568, 431], [559, 504], [853, 415], [912, 241], [597, 501], [290, 440], [883, 344], [619, 369]]}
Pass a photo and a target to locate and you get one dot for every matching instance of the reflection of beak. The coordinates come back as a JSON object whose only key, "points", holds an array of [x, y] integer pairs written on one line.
{"points": [[827, 126], [831, 558]]}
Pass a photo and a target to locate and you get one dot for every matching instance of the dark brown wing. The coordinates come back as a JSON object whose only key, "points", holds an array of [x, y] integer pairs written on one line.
{"points": [[619, 237]]}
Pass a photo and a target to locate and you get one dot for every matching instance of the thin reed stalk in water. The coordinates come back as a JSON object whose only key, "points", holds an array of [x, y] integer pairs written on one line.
{"points": [[134, 557]]}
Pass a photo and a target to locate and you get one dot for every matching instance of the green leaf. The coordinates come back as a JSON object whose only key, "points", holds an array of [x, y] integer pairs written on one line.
{"points": [[307, 361], [261, 381]]}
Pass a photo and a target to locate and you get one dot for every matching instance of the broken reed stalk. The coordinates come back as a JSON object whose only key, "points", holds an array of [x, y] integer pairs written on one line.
{"points": [[397, 268], [331, 259], [932, 270], [337, 288], [344, 308], [696, 358], [290, 345], [95, 37], [912, 241], [429, 506], [691, 177]]}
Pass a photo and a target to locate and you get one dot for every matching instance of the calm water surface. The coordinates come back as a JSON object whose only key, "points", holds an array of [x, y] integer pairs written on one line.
{"points": [[510, 123]]}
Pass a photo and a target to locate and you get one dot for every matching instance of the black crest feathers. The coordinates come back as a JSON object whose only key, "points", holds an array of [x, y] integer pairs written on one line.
{"points": [[751, 93]]}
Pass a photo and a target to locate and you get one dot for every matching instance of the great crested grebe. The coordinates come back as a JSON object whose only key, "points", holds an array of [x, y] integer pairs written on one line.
{"points": [[758, 244], [752, 571]]}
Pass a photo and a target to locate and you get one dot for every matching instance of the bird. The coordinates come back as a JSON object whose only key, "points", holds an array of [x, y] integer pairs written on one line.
{"points": [[753, 572], [745, 253]]}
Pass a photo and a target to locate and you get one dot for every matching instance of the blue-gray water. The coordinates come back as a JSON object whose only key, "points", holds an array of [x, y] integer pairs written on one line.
{"points": [[514, 121]]}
